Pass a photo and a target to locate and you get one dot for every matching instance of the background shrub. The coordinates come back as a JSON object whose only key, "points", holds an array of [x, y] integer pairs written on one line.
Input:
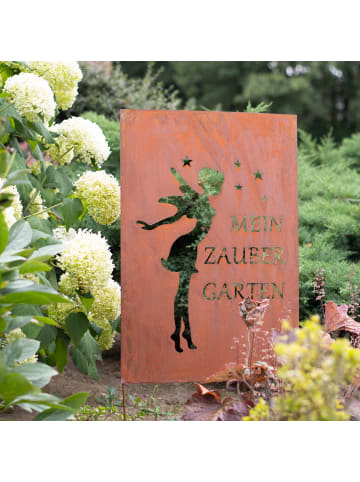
{"points": [[329, 218]]}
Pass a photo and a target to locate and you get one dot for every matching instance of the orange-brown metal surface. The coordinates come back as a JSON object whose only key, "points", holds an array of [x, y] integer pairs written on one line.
{"points": [[256, 153]]}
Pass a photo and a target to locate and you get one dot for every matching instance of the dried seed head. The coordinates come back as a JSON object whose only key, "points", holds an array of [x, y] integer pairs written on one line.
{"points": [[253, 312]]}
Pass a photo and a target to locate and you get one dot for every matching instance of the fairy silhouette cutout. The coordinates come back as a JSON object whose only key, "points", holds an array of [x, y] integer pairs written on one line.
{"points": [[183, 252]]}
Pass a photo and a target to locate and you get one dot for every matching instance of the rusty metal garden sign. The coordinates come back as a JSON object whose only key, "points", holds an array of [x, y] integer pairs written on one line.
{"points": [[209, 217]]}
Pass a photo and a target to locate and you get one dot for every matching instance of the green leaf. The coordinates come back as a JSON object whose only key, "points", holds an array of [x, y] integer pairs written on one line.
{"points": [[8, 110], [25, 252], [76, 401], [76, 325], [14, 322], [39, 397], [3, 325], [4, 234], [32, 266], [24, 130], [42, 225], [36, 152], [63, 182], [85, 355], [35, 294], [60, 352], [80, 361], [41, 129], [17, 177], [20, 350], [26, 310], [16, 285], [47, 335], [87, 302], [9, 258], [47, 252], [37, 373], [36, 235], [53, 415], [20, 235], [50, 182], [3, 162], [14, 385], [31, 330], [46, 320], [71, 211]]}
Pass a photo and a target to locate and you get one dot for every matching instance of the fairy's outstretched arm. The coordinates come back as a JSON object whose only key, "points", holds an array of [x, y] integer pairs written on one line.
{"points": [[168, 220]]}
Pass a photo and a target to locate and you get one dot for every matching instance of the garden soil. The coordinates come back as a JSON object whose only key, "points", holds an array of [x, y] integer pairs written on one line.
{"points": [[143, 401]]}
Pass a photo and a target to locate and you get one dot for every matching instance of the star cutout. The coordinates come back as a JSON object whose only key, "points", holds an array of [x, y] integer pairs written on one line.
{"points": [[187, 161], [237, 164], [238, 187], [258, 175]]}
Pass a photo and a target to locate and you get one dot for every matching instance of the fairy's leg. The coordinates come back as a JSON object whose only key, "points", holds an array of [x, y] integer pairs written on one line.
{"points": [[177, 316], [185, 285], [187, 332]]}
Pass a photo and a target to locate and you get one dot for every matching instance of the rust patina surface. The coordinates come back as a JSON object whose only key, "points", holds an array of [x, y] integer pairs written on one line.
{"points": [[183, 274]]}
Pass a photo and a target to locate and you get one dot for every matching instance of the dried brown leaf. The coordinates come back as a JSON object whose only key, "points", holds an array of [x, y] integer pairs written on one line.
{"points": [[231, 371], [336, 318], [206, 405]]}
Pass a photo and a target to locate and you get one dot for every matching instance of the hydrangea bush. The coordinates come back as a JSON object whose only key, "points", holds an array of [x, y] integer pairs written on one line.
{"points": [[35, 151]]}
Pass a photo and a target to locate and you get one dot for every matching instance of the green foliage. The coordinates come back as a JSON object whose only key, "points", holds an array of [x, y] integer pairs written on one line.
{"points": [[111, 408], [329, 228], [323, 95], [20, 385], [21, 375], [107, 94], [258, 109]]}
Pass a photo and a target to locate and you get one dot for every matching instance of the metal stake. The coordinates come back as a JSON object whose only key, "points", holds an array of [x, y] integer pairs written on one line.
{"points": [[124, 401]]}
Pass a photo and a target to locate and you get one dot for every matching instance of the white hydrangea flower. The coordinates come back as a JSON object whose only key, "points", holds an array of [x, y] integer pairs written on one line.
{"points": [[87, 259], [61, 234], [9, 216], [68, 284], [63, 78], [86, 138], [60, 311], [62, 152], [31, 95], [36, 206], [100, 192], [14, 335], [107, 302], [106, 338], [14, 212]]}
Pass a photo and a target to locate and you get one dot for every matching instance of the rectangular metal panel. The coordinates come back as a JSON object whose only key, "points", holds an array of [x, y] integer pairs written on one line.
{"points": [[248, 247]]}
